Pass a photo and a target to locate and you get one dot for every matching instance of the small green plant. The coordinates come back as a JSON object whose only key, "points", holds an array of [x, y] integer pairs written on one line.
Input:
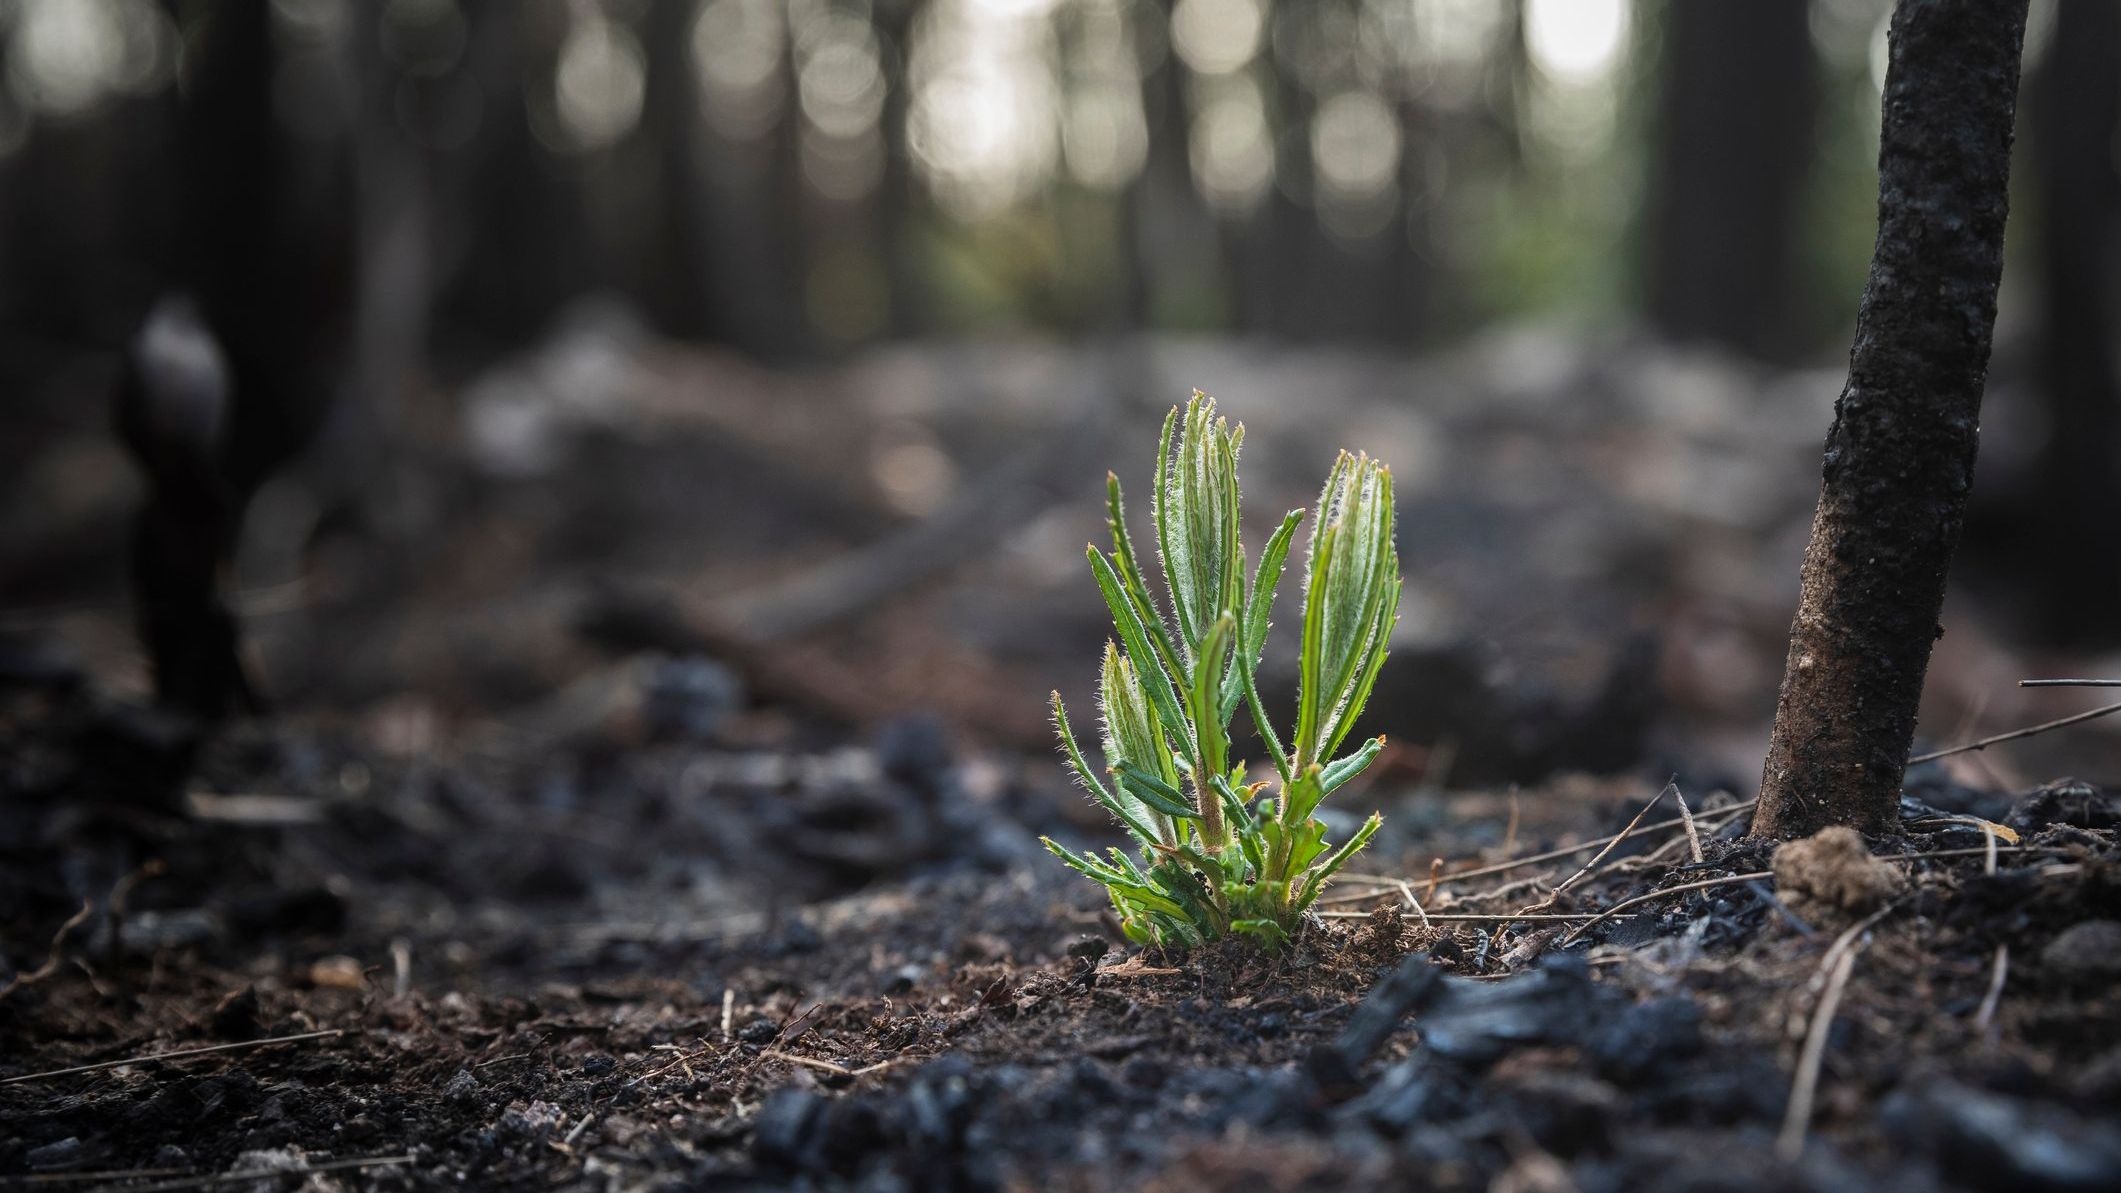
{"points": [[1217, 856]]}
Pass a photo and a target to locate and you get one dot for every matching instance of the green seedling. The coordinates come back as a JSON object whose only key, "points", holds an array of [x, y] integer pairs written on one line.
{"points": [[1218, 854]]}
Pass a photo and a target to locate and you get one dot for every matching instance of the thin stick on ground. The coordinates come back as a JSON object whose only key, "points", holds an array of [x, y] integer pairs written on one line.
{"points": [[809, 1062], [106, 1174], [1549, 855], [1617, 839], [1475, 917], [2069, 683], [1693, 835], [52, 962], [833, 1067], [1646, 896], [1408, 892], [207, 1180], [179, 1054], [2013, 735], [1789, 1145], [1999, 973]]}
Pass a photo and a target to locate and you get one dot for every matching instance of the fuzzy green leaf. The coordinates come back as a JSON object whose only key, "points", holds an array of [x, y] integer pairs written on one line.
{"points": [[1156, 793], [1155, 680], [1316, 881], [1334, 774]]}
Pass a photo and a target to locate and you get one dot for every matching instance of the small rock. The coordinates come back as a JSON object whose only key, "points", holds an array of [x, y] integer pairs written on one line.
{"points": [[261, 1161], [235, 1017], [1476, 1023], [337, 972], [2085, 954], [759, 1031], [63, 1153], [915, 750], [785, 1130], [462, 1090], [690, 699], [2100, 1080], [1832, 875], [904, 979], [1090, 948], [533, 1122], [1988, 1140], [1639, 1041], [2066, 801]]}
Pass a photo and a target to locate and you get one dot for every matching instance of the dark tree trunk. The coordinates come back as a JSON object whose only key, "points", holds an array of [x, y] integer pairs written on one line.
{"points": [[1172, 230], [1733, 150], [2074, 113], [1900, 455], [225, 386], [898, 193]]}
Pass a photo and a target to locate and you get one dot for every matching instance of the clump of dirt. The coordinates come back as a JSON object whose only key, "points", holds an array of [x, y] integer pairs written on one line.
{"points": [[1832, 876]]}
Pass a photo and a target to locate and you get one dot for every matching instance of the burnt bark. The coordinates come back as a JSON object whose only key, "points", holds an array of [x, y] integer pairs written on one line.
{"points": [[1900, 454]]}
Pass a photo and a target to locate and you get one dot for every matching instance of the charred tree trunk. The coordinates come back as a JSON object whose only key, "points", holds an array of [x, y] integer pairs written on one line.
{"points": [[1735, 139], [228, 382], [1900, 455]]}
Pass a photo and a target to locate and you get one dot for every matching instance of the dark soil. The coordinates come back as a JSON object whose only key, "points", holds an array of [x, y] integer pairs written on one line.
{"points": [[595, 894], [754, 955]]}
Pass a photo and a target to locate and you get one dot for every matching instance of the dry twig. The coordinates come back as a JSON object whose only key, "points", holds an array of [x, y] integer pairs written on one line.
{"points": [[1645, 897], [1686, 814], [1998, 974], [51, 963], [210, 1179], [1986, 742], [1617, 839], [1789, 1145], [179, 1054]]}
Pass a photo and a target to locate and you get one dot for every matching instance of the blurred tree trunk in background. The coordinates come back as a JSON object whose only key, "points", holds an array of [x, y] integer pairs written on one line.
{"points": [[526, 243], [2074, 107], [684, 297], [1174, 233], [1900, 455], [397, 245], [1733, 147], [1294, 241], [898, 192], [268, 242]]}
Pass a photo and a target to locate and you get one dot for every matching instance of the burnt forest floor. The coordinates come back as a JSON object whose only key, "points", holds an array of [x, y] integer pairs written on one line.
{"points": [[775, 957]]}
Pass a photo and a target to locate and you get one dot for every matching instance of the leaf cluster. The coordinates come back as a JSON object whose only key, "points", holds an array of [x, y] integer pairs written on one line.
{"points": [[1219, 855]]}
